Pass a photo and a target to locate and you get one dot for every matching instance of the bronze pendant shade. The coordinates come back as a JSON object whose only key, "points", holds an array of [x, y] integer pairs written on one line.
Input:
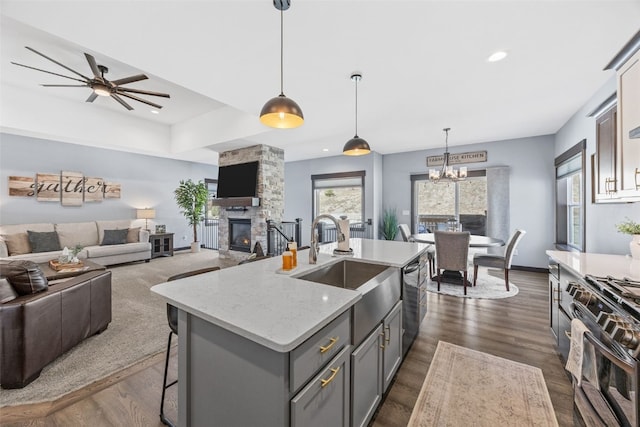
{"points": [[281, 112], [356, 146]]}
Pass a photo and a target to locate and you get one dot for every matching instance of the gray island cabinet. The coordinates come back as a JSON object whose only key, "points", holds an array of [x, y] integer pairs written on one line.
{"points": [[258, 348]]}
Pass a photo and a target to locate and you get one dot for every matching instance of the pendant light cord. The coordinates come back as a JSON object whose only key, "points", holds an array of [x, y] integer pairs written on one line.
{"points": [[281, 53], [356, 79]]}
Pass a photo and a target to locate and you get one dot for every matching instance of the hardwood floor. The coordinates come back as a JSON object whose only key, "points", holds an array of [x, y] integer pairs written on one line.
{"points": [[514, 328]]}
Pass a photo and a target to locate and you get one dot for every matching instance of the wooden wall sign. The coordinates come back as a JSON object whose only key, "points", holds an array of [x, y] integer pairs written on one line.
{"points": [[72, 187], [458, 158], [93, 190], [48, 186], [68, 188]]}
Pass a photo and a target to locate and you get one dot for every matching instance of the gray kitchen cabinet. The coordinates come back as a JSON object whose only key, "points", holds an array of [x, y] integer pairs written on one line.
{"points": [[324, 401], [373, 365], [366, 378], [392, 347]]}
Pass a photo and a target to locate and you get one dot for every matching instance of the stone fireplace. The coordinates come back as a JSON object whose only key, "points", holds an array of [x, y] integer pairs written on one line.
{"points": [[270, 193], [240, 234]]}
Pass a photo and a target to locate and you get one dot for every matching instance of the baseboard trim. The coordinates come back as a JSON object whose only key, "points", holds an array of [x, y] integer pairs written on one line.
{"points": [[531, 269]]}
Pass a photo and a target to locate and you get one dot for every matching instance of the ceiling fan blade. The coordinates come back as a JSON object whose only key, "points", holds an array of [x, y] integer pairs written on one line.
{"points": [[142, 92], [94, 66], [48, 72], [56, 62], [129, 79], [92, 97], [144, 101], [65, 85], [121, 101]]}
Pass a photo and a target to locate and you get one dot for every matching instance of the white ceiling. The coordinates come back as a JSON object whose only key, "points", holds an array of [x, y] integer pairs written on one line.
{"points": [[423, 64]]}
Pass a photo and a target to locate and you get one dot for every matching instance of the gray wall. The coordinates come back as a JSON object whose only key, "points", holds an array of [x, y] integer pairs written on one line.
{"points": [[531, 187], [601, 233], [146, 181]]}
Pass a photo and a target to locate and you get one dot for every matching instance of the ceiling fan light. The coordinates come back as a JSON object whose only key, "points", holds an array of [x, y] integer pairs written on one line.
{"points": [[356, 146], [101, 90], [282, 113]]}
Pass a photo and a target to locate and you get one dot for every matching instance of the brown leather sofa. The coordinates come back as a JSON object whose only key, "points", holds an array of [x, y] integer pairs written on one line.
{"points": [[37, 328]]}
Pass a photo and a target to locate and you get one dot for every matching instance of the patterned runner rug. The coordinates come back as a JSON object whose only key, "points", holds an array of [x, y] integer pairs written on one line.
{"points": [[466, 387]]}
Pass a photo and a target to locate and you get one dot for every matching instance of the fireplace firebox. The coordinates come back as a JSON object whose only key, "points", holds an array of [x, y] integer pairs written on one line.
{"points": [[240, 234]]}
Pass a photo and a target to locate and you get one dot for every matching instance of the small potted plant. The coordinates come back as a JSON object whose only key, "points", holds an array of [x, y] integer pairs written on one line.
{"points": [[191, 197], [631, 227]]}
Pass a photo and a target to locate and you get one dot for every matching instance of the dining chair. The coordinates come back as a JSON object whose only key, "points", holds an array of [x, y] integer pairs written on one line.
{"points": [[172, 319], [452, 253], [501, 261], [431, 252]]}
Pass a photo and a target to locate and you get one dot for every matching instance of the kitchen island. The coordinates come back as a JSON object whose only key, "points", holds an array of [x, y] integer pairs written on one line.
{"points": [[246, 336]]}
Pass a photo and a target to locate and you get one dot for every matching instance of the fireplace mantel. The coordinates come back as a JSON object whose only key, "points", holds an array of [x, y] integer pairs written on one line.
{"points": [[236, 202]]}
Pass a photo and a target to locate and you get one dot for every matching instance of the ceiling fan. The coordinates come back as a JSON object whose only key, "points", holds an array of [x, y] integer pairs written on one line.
{"points": [[99, 84]]}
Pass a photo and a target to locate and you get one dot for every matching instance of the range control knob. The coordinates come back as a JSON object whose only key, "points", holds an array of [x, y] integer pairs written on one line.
{"points": [[603, 317], [574, 287], [625, 335]]}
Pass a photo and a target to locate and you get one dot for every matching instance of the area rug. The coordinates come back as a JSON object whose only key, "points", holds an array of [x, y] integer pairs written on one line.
{"points": [[466, 387], [138, 330], [490, 285]]}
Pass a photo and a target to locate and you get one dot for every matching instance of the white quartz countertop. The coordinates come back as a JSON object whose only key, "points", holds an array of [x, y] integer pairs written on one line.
{"points": [[277, 310], [581, 264]]}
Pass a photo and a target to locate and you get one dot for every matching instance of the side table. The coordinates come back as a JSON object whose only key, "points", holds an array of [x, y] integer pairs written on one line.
{"points": [[161, 244]]}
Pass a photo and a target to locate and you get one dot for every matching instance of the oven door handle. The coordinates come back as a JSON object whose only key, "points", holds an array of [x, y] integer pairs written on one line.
{"points": [[628, 367]]}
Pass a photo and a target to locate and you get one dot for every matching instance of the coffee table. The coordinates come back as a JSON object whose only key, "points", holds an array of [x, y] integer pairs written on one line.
{"points": [[52, 274]]}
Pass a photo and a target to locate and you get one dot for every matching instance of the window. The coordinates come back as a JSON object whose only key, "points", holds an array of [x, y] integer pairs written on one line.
{"points": [[570, 225], [339, 194], [213, 212], [434, 205]]}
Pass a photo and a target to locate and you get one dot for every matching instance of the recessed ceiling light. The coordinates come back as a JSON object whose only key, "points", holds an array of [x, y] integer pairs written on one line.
{"points": [[155, 112], [325, 149], [497, 56]]}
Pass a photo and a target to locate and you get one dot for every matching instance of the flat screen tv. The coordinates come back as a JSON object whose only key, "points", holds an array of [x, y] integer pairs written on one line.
{"points": [[239, 180]]}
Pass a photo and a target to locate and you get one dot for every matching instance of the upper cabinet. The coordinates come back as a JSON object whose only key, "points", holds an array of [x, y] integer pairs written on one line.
{"points": [[619, 163]]}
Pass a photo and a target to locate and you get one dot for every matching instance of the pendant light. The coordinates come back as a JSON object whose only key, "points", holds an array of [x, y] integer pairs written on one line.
{"points": [[356, 146], [281, 112]]}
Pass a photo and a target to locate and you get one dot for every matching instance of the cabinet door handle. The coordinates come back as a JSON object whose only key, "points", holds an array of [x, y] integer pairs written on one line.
{"points": [[384, 335], [332, 342], [387, 339], [324, 383], [557, 299], [635, 178]]}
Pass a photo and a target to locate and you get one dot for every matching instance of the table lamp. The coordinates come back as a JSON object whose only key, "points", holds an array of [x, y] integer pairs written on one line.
{"points": [[146, 214]]}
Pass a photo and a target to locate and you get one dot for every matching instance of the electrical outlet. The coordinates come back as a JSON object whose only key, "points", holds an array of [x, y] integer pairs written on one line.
{"points": [[406, 213]]}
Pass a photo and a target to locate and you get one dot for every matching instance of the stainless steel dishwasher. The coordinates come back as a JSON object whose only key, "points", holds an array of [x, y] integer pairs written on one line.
{"points": [[414, 299]]}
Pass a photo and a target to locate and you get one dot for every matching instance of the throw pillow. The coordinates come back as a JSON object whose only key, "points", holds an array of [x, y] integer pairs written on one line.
{"points": [[45, 241], [115, 237], [7, 293], [17, 244], [25, 277], [133, 236]]}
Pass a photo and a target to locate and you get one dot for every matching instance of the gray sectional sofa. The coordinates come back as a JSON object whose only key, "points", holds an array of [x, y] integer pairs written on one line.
{"points": [[15, 243]]}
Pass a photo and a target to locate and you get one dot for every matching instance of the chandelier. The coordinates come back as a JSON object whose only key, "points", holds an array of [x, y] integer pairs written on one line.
{"points": [[447, 172]]}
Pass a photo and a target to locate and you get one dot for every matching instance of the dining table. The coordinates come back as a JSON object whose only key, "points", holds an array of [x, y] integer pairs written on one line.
{"points": [[475, 241]]}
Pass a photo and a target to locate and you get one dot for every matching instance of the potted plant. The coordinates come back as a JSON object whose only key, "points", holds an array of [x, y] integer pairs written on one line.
{"points": [[631, 227], [389, 224], [191, 198]]}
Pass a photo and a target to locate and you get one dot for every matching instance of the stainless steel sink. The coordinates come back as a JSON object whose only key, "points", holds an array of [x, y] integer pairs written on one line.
{"points": [[379, 284], [347, 274]]}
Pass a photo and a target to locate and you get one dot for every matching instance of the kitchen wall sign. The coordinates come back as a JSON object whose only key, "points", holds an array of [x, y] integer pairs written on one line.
{"points": [[458, 158], [68, 188]]}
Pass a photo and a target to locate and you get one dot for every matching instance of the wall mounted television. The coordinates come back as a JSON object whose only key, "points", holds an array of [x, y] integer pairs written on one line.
{"points": [[239, 180]]}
